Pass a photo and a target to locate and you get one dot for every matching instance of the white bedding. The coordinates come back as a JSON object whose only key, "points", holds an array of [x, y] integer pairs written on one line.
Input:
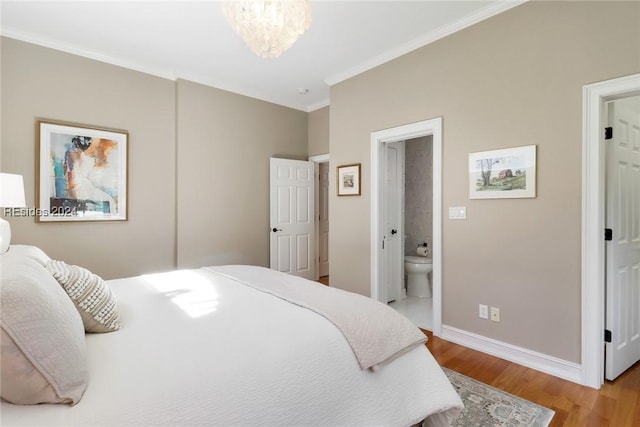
{"points": [[196, 348], [376, 333]]}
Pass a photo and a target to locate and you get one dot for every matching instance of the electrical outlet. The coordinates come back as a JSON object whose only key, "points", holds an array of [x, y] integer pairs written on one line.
{"points": [[495, 314], [483, 311]]}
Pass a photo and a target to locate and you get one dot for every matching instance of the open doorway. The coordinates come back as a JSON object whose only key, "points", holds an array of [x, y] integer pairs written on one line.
{"points": [[408, 201], [380, 257], [321, 217], [595, 96]]}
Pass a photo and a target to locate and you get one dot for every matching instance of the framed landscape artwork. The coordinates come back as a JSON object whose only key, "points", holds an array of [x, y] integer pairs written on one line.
{"points": [[82, 173], [506, 173]]}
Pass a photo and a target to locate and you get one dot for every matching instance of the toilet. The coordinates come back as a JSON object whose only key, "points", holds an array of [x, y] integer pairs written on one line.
{"points": [[417, 269]]}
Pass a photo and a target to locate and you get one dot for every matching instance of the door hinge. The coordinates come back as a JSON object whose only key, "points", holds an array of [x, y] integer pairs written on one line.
{"points": [[608, 234], [608, 133], [607, 335]]}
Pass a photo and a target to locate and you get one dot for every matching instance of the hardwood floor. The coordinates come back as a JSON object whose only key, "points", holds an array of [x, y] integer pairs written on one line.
{"points": [[616, 404]]}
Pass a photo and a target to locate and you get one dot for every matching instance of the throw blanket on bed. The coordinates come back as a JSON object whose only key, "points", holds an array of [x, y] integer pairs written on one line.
{"points": [[376, 333]]}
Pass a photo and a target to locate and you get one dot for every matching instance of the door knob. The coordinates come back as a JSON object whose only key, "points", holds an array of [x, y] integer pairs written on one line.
{"points": [[276, 229], [394, 231]]}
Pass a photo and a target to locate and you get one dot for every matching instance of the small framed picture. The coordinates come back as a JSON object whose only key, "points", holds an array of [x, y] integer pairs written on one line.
{"points": [[349, 180], [82, 173], [501, 174]]}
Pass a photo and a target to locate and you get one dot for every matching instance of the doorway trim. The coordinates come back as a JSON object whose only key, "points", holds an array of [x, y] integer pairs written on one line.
{"points": [[320, 158], [593, 220], [433, 128]]}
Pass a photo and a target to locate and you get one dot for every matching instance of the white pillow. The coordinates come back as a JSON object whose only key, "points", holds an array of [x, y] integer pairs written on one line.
{"points": [[26, 251], [44, 358], [92, 297]]}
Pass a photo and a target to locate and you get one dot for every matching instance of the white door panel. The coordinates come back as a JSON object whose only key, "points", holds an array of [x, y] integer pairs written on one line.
{"points": [[284, 205], [283, 250], [304, 252], [393, 264], [292, 225], [623, 251]]}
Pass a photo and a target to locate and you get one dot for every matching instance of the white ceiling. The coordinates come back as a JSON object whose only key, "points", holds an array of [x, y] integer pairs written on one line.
{"points": [[191, 40]]}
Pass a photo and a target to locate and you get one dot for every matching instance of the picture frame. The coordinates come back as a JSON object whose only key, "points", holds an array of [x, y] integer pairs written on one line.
{"points": [[348, 180], [504, 173], [82, 173]]}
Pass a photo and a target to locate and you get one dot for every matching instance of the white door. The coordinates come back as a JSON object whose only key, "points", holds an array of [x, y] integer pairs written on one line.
{"points": [[393, 238], [623, 251], [323, 216], [292, 223]]}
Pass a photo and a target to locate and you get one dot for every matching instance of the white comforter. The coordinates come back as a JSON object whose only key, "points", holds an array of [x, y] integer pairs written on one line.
{"points": [[197, 348]]}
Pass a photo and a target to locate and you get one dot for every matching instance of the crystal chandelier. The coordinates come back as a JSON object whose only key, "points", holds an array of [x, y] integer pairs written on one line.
{"points": [[268, 27]]}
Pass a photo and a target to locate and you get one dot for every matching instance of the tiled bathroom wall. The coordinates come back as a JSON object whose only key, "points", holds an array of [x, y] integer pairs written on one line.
{"points": [[418, 193]]}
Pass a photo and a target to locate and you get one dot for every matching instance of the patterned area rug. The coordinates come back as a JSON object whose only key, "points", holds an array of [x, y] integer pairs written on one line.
{"points": [[486, 406]]}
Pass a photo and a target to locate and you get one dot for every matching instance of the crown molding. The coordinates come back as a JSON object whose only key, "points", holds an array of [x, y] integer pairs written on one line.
{"points": [[425, 39]]}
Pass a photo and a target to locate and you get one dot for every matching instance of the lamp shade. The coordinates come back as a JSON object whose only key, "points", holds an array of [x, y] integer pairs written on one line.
{"points": [[11, 191]]}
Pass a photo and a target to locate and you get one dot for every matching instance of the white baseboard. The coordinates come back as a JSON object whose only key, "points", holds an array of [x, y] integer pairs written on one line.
{"points": [[531, 359]]}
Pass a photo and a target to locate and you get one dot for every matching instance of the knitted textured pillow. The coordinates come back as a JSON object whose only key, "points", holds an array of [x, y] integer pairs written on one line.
{"points": [[92, 297]]}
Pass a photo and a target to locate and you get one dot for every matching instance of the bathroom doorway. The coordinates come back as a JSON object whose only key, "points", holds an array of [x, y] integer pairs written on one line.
{"points": [[415, 202], [380, 258]]}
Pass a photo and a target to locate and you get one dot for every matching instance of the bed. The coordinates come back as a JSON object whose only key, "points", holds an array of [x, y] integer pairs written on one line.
{"points": [[215, 347]]}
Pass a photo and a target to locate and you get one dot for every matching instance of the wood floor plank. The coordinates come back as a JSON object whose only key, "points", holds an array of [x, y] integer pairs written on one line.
{"points": [[616, 404]]}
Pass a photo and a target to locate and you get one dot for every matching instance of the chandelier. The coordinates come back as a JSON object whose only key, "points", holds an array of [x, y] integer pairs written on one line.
{"points": [[268, 27]]}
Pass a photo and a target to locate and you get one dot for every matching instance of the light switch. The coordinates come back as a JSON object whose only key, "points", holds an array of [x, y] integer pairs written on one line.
{"points": [[458, 212]]}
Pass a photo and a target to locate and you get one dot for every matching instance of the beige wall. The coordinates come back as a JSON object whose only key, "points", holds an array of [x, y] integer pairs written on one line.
{"points": [[203, 148], [319, 131], [515, 79], [42, 83], [223, 173]]}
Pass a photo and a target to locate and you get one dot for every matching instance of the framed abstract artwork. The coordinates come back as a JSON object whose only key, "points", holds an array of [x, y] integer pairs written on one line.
{"points": [[500, 174], [82, 173], [349, 180]]}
